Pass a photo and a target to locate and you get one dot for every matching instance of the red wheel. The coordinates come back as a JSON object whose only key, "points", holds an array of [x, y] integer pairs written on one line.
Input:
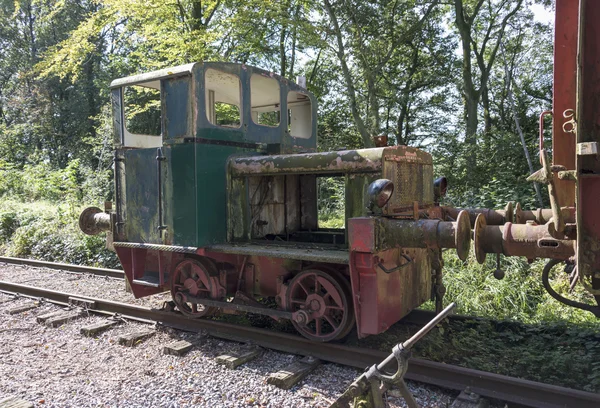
{"points": [[192, 278], [326, 300]]}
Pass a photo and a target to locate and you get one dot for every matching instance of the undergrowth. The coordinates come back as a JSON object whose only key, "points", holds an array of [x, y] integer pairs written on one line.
{"points": [[50, 232]]}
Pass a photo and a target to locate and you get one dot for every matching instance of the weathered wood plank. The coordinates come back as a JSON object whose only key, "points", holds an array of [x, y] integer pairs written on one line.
{"points": [[293, 373], [179, 348], [94, 329], [133, 338], [62, 319], [468, 399], [236, 359], [22, 308], [43, 317]]}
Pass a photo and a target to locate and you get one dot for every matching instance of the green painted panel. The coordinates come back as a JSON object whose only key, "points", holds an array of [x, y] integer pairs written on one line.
{"points": [[180, 195], [141, 195], [211, 190], [177, 108]]}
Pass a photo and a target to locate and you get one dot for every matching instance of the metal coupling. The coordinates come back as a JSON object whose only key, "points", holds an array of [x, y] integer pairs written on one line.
{"points": [[93, 221], [392, 233], [528, 240], [492, 217], [542, 215]]}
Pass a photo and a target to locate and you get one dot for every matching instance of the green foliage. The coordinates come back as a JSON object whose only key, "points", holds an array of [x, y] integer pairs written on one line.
{"points": [[519, 296], [50, 232], [330, 204]]}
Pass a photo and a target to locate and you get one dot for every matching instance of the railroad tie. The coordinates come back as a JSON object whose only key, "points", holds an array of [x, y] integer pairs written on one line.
{"points": [[14, 402], [6, 300], [97, 328], [62, 319], [236, 359], [133, 338], [23, 308], [43, 317], [293, 373], [468, 399], [178, 348]]}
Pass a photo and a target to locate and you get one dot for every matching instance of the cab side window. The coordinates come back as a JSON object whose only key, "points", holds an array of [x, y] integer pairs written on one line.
{"points": [[299, 115], [223, 98], [265, 100]]}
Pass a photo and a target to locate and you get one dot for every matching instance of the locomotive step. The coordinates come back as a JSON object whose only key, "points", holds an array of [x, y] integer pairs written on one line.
{"points": [[150, 279]]}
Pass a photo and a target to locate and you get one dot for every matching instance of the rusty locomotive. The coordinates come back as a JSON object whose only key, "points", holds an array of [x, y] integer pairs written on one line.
{"points": [[219, 203]]}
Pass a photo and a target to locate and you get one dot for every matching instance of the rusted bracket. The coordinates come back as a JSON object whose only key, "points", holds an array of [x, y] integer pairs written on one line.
{"points": [[545, 176], [397, 268]]}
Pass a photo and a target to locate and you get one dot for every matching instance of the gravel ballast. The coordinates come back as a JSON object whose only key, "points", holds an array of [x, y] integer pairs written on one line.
{"points": [[58, 367]]}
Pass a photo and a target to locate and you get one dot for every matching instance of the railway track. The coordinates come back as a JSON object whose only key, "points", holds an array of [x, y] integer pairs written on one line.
{"points": [[512, 390]]}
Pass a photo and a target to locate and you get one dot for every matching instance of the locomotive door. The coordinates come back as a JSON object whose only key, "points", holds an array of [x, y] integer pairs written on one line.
{"points": [[144, 195]]}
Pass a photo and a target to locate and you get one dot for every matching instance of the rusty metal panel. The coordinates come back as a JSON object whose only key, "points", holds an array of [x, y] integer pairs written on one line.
{"points": [[361, 234], [381, 299], [411, 170], [565, 91], [588, 131], [339, 162]]}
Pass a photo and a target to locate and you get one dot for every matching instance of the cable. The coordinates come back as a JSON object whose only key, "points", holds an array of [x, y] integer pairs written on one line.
{"points": [[546, 282]]}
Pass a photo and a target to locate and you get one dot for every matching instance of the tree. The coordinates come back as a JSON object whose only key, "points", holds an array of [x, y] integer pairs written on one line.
{"points": [[481, 25]]}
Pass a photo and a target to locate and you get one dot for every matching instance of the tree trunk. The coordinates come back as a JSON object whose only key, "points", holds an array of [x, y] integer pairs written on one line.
{"points": [[360, 125]]}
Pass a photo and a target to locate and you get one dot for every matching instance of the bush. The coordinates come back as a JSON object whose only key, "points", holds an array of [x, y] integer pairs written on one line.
{"points": [[49, 232]]}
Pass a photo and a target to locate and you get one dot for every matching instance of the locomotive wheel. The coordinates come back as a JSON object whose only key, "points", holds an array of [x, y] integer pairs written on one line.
{"points": [[326, 299], [193, 278]]}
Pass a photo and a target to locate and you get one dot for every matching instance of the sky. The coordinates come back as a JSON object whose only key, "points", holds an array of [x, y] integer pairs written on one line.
{"points": [[542, 14]]}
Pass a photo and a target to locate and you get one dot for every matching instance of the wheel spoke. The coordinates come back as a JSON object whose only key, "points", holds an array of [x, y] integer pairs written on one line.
{"points": [[317, 289], [303, 288], [332, 322], [332, 306], [298, 301], [318, 326]]}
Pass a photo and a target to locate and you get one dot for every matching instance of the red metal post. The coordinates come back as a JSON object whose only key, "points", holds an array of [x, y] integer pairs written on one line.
{"points": [[588, 139], [565, 93]]}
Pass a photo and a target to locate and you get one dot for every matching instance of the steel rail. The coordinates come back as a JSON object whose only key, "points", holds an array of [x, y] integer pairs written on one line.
{"points": [[512, 390], [113, 273], [417, 316]]}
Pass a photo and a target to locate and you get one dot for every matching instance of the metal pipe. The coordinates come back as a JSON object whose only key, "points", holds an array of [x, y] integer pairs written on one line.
{"points": [[492, 217], [530, 241], [393, 233], [93, 221], [542, 215]]}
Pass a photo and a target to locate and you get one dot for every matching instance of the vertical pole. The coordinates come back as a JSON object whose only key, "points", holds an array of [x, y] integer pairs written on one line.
{"points": [[588, 140], [565, 94]]}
